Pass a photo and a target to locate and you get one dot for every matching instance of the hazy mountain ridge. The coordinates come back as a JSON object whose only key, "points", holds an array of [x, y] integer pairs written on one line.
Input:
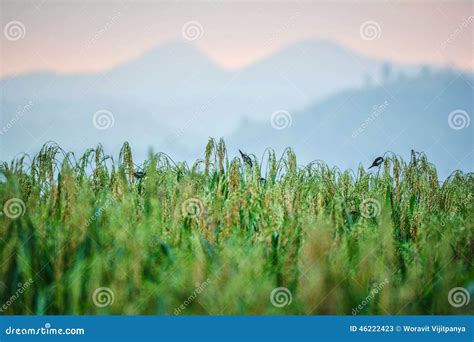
{"points": [[360, 124], [174, 97], [171, 66]]}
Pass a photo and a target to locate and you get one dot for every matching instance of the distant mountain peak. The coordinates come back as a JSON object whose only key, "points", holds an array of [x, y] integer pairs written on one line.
{"points": [[318, 43], [170, 54], [174, 47]]}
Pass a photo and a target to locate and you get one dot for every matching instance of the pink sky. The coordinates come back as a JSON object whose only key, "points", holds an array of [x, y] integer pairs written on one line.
{"points": [[84, 36]]}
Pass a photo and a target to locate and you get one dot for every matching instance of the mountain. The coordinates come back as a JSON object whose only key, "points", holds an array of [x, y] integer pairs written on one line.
{"points": [[173, 97], [310, 71], [361, 124], [169, 73]]}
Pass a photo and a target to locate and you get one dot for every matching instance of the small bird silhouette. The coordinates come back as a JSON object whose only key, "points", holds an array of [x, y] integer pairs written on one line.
{"points": [[139, 174], [246, 158], [377, 162]]}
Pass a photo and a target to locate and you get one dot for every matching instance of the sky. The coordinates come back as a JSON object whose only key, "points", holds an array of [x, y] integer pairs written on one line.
{"points": [[79, 36]]}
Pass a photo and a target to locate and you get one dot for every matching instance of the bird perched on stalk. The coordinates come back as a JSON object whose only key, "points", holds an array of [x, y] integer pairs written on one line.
{"points": [[246, 158], [139, 174], [377, 162]]}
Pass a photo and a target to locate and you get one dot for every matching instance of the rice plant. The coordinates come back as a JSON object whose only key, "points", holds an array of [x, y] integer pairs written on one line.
{"points": [[97, 235]]}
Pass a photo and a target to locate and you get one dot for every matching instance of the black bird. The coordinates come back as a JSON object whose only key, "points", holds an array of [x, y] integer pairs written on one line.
{"points": [[139, 174], [377, 162], [246, 158]]}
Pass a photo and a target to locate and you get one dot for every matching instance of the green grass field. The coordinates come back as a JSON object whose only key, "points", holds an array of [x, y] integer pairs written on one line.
{"points": [[85, 235]]}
